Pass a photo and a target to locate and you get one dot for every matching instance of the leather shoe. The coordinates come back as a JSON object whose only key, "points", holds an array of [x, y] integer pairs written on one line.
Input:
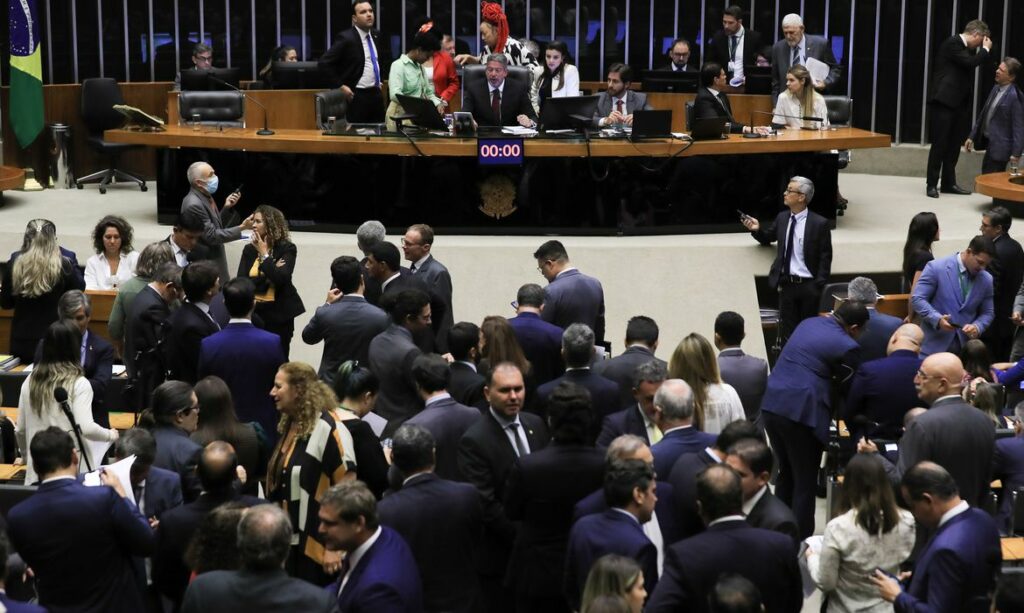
{"points": [[933, 193], [956, 189]]}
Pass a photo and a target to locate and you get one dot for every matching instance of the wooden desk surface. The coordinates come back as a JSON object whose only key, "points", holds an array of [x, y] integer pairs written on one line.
{"points": [[102, 304], [118, 421], [1000, 185], [9, 472], [1013, 549]]}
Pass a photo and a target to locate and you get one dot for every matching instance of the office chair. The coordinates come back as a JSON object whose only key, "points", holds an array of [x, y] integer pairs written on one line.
{"points": [[98, 99]]}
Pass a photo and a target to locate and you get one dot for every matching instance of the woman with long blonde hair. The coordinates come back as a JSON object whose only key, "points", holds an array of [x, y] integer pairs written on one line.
{"points": [[715, 404], [800, 100]]}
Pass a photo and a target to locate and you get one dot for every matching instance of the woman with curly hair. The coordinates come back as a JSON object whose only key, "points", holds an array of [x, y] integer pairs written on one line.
{"points": [[715, 404], [495, 35], [307, 460], [114, 262], [269, 261]]}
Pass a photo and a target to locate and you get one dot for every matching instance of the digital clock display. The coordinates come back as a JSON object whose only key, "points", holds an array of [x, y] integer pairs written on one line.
{"points": [[500, 151]]}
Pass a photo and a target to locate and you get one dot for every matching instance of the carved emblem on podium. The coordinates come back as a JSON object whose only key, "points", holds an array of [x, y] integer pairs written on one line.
{"points": [[498, 195]]}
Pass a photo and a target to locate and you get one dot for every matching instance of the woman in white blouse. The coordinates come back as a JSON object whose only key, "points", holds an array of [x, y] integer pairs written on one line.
{"points": [[114, 262], [872, 533], [800, 100], [560, 79], [37, 409], [715, 404]]}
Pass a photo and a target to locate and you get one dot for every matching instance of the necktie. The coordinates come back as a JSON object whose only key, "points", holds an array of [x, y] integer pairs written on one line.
{"points": [[986, 113], [796, 57], [654, 432], [734, 42], [618, 106], [965, 285], [787, 254], [373, 60], [496, 105], [412, 269], [345, 563], [520, 447]]}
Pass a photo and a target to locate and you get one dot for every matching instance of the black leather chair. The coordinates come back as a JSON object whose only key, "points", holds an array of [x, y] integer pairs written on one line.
{"points": [[98, 99], [221, 108], [830, 293], [840, 114], [329, 103], [689, 115], [477, 72]]}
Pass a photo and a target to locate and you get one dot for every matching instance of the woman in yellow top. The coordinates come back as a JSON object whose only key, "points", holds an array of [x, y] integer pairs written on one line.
{"points": [[408, 78]]}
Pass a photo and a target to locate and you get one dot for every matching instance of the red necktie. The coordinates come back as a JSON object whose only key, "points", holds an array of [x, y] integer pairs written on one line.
{"points": [[618, 106], [496, 105]]}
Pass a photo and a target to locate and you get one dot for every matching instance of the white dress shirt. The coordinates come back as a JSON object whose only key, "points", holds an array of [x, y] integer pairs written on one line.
{"points": [[788, 112], [510, 432], [749, 505], [797, 265], [98, 275], [369, 79], [736, 60], [180, 256]]}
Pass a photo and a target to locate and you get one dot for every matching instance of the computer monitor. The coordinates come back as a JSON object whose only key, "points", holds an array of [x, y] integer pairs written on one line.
{"points": [[298, 75], [426, 115], [200, 80], [758, 80], [677, 82], [570, 113]]}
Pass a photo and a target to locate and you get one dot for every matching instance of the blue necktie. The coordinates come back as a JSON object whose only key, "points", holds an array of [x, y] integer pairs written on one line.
{"points": [[373, 60]]}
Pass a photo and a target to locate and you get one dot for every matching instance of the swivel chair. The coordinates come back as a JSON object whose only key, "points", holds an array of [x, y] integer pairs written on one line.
{"points": [[98, 99], [214, 108], [329, 103]]}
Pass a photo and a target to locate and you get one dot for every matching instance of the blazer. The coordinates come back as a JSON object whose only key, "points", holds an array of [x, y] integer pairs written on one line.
{"points": [[542, 344], [161, 493], [938, 293], [385, 579], [958, 568], [467, 385], [14, 606], [683, 478], [1008, 466], [347, 326], [953, 73], [189, 326], [287, 304], [635, 101], [439, 280], [772, 514], [446, 76], [707, 105], [79, 541], [626, 421], [611, 531], [32, 316], [145, 353], [515, 101], [817, 246], [874, 339], [620, 370], [442, 521], [882, 391], [176, 452], [260, 351], [718, 49], [343, 63], [674, 444], [1007, 270], [574, 297], [391, 355], [218, 227], [439, 306], [664, 509], [239, 590], [604, 395], [817, 47], [1005, 137], [447, 421], [748, 375]]}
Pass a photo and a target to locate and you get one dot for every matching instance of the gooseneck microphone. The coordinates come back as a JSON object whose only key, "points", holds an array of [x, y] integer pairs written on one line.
{"points": [[774, 114], [265, 131], [61, 396]]}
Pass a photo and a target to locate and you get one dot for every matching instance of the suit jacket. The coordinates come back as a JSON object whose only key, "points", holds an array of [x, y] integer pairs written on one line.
{"points": [[439, 307], [145, 353], [1007, 270], [442, 521], [79, 541], [467, 385], [953, 73], [189, 326], [882, 391], [346, 327], [1005, 137], [162, 492], [239, 590], [626, 421], [749, 375], [817, 47], [439, 280], [800, 386], [611, 531], [635, 101], [707, 105], [1008, 466], [542, 344], [604, 395], [260, 351], [683, 478], [718, 49], [958, 568], [874, 340], [817, 246], [515, 101], [574, 297], [218, 227], [384, 579], [176, 452], [287, 304], [343, 62], [14, 606], [938, 293], [772, 514], [674, 444], [391, 355], [664, 510], [447, 420], [620, 370]]}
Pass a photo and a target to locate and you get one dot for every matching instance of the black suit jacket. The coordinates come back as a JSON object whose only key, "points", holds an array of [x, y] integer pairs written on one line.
{"points": [[287, 304], [438, 305], [515, 101], [718, 48], [953, 73], [626, 421], [706, 106], [145, 355], [189, 326], [240, 590], [817, 246], [343, 62], [604, 395], [447, 421], [1007, 270], [467, 386], [772, 514], [683, 478], [176, 452], [620, 370]]}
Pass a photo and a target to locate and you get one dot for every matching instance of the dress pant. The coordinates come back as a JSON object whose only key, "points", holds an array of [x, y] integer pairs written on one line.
{"points": [[948, 129], [366, 106], [798, 452], [797, 302]]}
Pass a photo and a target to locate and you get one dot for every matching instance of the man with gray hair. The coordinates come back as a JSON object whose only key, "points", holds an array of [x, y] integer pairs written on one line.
{"points": [[220, 224], [368, 234], [578, 353], [673, 414], [637, 419], [147, 326], [498, 100], [97, 355], [796, 48], [874, 340], [264, 541]]}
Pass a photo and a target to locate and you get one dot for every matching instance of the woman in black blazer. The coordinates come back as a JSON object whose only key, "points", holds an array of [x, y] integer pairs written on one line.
{"points": [[269, 260]]}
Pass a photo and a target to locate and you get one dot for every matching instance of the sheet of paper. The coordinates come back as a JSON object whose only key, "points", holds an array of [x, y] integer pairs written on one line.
{"points": [[377, 423], [122, 470], [96, 451], [519, 131], [813, 543], [117, 370], [819, 70]]}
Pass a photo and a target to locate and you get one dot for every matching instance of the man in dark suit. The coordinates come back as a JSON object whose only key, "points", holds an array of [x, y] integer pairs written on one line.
{"points": [[578, 352], [368, 234], [97, 359], [499, 101], [240, 342], [10, 605], [571, 297], [466, 385], [1007, 270], [680, 58], [147, 327], [1008, 467], [264, 535], [882, 390], [949, 103], [442, 416], [378, 572], [999, 128], [958, 567], [673, 414], [949, 433], [630, 492], [795, 48], [641, 343], [78, 540], [220, 224], [191, 322], [752, 460], [356, 64], [712, 101], [617, 103], [486, 454], [804, 260], [746, 373], [441, 520], [184, 240], [391, 356], [416, 245], [384, 265], [637, 419], [797, 405], [346, 322], [874, 340], [729, 545], [734, 46], [541, 340]]}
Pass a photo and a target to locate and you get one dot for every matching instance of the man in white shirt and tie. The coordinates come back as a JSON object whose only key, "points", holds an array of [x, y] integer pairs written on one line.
{"points": [[355, 63], [615, 105]]}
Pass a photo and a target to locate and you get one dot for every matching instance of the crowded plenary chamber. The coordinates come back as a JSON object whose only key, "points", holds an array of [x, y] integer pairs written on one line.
{"points": [[725, 313]]}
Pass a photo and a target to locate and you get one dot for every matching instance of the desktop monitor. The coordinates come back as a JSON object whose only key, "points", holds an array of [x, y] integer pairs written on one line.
{"points": [[426, 115], [200, 80], [570, 113], [298, 75], [677, 82], [758, 80]]}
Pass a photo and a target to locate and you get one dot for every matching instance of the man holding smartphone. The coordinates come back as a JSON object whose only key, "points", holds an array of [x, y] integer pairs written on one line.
{"points": [[218, 222]]}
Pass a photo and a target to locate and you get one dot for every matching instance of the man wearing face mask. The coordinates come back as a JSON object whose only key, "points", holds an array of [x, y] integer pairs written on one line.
{"points": [[218, 221]]}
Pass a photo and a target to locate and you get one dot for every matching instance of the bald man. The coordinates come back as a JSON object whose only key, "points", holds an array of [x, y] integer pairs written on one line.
{"points": [[219, 222], [952, 433], [883, 390]]}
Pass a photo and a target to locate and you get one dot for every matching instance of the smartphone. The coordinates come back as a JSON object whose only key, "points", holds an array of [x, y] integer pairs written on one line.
{"points": [[238, 190], [890, 575], [743, 216]]}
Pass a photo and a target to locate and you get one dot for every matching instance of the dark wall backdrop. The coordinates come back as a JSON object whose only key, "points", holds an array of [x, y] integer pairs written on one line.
{"points": [[885, 46]]}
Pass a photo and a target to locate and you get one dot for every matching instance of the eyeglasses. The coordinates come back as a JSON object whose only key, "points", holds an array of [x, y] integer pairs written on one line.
{"points": [[923, 375], [188, 410], [406, 243], [792, 191]]}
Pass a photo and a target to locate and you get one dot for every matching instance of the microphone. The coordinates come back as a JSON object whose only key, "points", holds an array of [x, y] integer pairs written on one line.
{"points": [[265, 131], [774, 114], [61, 396]]}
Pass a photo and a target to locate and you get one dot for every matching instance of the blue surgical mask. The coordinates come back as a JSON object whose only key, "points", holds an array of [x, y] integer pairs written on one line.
{"points": [[212, 183]]}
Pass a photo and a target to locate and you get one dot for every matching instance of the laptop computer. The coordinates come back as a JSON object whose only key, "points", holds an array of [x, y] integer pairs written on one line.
{"points": [[425, 112], [709, 128], [651, 124]]}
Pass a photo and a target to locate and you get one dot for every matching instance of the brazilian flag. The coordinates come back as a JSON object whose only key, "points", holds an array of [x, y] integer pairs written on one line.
{"points": [[26, 72]]}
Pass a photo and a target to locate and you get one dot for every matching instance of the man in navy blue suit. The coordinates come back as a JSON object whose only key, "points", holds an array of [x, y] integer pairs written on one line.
{"points": [[78, 540], [578, 351], [10, 605], [445, 419], [958, 567], [874, 339], [673, 414], [571, 297], [882, 390], [378, 572], [641, 343], [192, 321], [541, 340], [467, 385], [245, 357], [797, 405], [753, 460], [156, 490], [1008, 465], [637, 418]]}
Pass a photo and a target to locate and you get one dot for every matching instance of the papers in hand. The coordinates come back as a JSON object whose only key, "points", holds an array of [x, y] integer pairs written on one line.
{"points": [[122, 470], [819, 70], [814, 543], [518, 131]]}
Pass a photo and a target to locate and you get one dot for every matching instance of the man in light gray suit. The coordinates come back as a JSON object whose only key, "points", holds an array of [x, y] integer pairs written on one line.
{"points": [[749, 375], [794, 49], [641, 343], [874, 340], [442, 416], [218, 223], [416, 245], [392, 353], [615, 105], [571, 297], [347, 322]]}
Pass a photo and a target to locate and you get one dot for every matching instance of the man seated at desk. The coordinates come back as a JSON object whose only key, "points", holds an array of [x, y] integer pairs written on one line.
{"points": [[616, 104], [712, 102], [202, 59], [679, 53], [500, 101]]}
